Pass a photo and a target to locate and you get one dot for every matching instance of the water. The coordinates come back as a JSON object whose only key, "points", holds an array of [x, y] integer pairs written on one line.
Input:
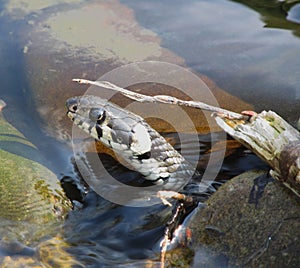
{"points": [[252, 51]]}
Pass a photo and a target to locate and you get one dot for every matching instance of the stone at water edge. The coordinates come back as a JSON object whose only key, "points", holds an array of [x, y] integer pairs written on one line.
{"points": [[32, 200], [235, 230]]}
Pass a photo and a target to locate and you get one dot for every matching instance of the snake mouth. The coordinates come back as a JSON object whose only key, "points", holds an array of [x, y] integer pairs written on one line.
{"points": [[88, 119], [71, 115]]}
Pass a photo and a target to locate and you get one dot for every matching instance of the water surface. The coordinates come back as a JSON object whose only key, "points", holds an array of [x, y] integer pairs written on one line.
{"points": [[250, 50]]}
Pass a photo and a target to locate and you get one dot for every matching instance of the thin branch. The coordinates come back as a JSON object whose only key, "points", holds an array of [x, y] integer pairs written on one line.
{"points": [[2, 104], [163, 99]]}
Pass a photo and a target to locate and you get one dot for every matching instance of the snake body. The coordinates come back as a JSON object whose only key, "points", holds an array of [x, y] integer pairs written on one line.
{"points": [[132, 139]]}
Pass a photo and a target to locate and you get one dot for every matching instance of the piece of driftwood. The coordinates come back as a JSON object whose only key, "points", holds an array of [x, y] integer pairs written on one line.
{"points": [[266, 134], [272, 139]]}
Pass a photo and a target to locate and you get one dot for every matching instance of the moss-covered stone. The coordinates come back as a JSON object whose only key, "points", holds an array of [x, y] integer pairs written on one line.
{"points": [[180, 258], [31, 198], [265, 234]]}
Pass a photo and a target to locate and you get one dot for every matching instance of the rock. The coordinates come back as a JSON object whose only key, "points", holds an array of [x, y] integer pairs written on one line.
{"points": [[59, 45], [180, 258], [242, 233], [32, 202], [62, 46]]}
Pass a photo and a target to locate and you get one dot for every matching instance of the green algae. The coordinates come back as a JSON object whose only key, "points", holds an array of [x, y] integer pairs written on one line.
{"points": [[31, 198]]}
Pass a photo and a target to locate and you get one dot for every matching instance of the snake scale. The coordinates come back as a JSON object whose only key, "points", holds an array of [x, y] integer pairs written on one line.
{"points": [[135, 141]]}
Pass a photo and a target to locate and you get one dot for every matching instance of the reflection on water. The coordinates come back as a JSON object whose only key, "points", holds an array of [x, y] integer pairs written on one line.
{"points": [[294, 13], [276, 14], [250, 48]]}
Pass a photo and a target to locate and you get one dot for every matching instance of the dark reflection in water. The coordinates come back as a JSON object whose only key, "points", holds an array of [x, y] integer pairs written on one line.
{"points": [[102, 233], [276, 14], [294, 13], [250, 48]]}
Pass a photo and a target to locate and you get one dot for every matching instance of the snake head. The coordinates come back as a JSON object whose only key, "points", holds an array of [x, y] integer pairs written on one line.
{"points": [[117, 128], [131, 139]]}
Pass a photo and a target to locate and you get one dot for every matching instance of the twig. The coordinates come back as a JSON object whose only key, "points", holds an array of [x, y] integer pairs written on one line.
{"points": [[2, 104], [164, 247], [163, 99]]}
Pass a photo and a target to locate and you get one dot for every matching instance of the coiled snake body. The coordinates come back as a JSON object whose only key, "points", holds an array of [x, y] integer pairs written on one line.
{"points": [[132, 139]]}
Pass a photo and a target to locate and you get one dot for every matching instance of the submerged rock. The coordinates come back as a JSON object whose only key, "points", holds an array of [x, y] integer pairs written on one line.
{"points": [[26, 182], [250, 222], [58, 45], [32, 202]]}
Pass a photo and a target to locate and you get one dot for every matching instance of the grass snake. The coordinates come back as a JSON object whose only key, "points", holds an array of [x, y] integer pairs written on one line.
{"points": [[136, 142]]}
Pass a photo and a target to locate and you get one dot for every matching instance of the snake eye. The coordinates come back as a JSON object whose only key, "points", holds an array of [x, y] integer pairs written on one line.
{"points": [[72, 105], [73, 108], [97, 115]]}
